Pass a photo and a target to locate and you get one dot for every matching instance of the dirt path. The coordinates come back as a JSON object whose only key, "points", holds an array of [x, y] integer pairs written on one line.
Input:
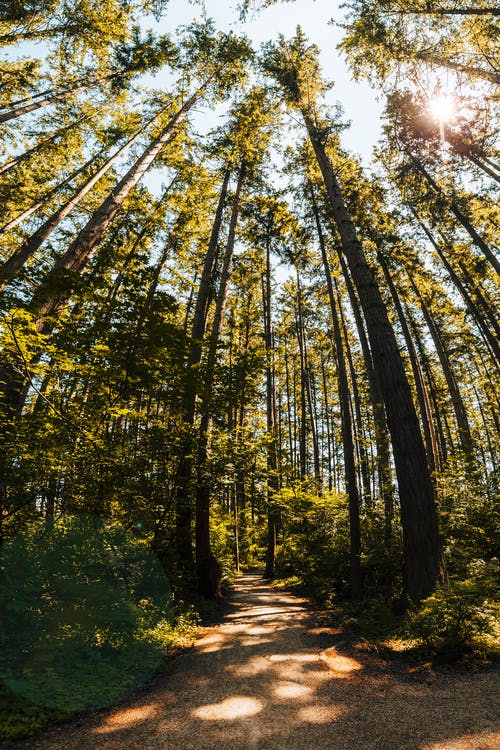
{"points": [[267, 677]]}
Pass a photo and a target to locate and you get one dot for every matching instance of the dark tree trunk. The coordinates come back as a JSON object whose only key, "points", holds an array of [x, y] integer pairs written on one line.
{"points": [[17, 260], [346, 420], [456, 211], [420, 385], [424, 563], [272, 487], [183, 503], [208, 569]]}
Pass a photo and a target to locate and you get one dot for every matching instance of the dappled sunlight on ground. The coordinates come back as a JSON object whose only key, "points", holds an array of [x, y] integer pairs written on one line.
{"points": [[341, 665], [269, 678], [320, 714], [228, 709], [127, 718], [292, 690], [482, 741]]}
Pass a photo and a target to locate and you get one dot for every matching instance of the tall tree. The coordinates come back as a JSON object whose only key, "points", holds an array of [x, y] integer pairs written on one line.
{"points": [[295, 67]]}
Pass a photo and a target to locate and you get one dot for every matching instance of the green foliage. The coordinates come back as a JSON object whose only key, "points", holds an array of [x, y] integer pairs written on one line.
{"points": [[20, 719], [86, 612], [315, 542], [460, 618]]}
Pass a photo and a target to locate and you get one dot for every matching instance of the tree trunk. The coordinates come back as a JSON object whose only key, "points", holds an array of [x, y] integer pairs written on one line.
{"points": [[15, 112], [382, 440], [75, 258], [466, 296], [424, 563], [17, 260], [272, 485], [39, 146], [456, 211], [183, 503], [420, 386], [455, 395], [470, 70], [48, 195], [208, 569], [346, 421]]}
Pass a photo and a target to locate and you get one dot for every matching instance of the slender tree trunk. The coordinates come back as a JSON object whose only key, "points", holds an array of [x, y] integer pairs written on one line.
{"points": [[272, 485], [456, 211], [420, 385], [453, 389], [17, 260], [303, 398], [208, 569], [382, 439], [75, 258], [183, 503], [470, 70], [481, 165], [47, 196], [38, 148], [477, 315], [291, 441], [424, 563], [359, 425], [346, 420], [328, 428], [23, 109]]}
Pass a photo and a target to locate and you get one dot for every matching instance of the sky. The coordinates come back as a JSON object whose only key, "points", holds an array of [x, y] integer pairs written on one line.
{"points": [[358, 99]]}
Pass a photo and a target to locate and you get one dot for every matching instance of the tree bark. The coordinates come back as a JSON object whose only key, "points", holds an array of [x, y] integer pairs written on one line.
{"points": [[424, 563], [74, 260], [15, 112], [46, 197], [17, 260], [183, 503], [346, 420], [272, 485], [208, 569]]}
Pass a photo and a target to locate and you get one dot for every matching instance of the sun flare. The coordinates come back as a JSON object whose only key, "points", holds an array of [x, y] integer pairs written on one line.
{"points": [[442, 107]]}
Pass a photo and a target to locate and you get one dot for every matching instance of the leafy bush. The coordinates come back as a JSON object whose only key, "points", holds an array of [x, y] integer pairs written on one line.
{"points": [[460, 617], [315, 543], [85, 610]]}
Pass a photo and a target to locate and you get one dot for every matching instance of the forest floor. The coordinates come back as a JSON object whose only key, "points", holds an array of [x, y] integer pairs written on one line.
{"points": [[270, 676]]}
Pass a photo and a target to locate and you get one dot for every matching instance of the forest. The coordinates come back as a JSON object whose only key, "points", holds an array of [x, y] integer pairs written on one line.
{"points": [[240, 348]]}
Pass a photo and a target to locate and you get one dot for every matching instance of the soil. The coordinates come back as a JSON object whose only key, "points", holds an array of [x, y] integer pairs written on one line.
{"points": [[271, 677]]}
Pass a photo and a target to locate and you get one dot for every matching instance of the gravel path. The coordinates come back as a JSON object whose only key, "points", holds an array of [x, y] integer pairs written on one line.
{"points": [[268, 678]]}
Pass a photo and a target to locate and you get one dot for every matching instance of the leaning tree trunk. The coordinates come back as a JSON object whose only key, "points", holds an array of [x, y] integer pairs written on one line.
{"points": [[469, 70], [46, 197], [208, 569], [455, 209], [346, 422], [74, 260], [17, 260], [418, 376], [46, 302], [38, 147], [461, 287], [183, 504], [23, 109], [423, 558], [453, 389]]}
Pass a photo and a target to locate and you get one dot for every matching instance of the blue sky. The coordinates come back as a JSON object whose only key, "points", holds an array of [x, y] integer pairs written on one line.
{"points": [[358, 99]]}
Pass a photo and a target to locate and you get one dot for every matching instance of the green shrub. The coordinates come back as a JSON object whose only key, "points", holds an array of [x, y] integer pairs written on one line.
{"points": [[460, 617], [83, 606]]}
